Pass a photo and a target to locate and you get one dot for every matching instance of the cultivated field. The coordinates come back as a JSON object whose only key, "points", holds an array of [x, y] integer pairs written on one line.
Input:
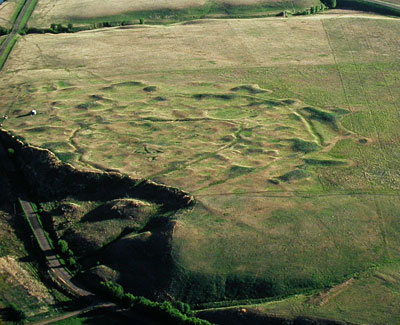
{"points": [[286, 131], [49, 11]]}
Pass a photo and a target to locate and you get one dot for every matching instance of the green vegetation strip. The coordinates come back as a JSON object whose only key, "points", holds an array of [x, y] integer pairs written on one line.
{"points": [[179, 313], [17, 11], [27, 15], [7, 51]]}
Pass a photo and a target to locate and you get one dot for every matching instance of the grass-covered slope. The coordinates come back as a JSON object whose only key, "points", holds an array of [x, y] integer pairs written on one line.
{"points": [[89, 11]]}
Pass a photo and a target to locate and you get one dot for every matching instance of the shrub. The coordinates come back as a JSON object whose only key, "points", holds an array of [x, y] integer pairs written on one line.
{"points": [[63, 245], [72, 262], [164, 311], [183, 307], [15, 314], [330, 3]]}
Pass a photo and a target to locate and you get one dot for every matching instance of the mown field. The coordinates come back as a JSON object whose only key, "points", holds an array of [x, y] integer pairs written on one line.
{"points": [[48, 12], [286, 132]]}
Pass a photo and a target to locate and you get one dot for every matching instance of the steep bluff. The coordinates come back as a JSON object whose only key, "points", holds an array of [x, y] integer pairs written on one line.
{"points": [[50, 179]]}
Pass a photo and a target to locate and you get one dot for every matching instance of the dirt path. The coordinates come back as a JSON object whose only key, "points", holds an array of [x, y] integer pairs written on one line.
{"points": [[75, 313]]}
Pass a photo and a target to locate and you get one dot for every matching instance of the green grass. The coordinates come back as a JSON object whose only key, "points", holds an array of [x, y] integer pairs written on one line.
{"points": [[349, 304]]}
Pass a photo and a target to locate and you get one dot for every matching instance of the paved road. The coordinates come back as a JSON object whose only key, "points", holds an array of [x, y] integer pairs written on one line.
{"points": [[15, 27], [54, 264]]}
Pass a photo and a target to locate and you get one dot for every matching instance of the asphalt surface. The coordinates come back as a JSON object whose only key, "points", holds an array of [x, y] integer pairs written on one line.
{"points": [[52, 260]]}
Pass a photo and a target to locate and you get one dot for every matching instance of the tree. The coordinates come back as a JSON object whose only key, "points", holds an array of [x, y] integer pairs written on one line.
{"points": [[15, 314], [63, 246]]}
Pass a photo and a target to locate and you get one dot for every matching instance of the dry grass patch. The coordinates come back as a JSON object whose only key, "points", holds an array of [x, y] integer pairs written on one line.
{"points": [[247, 43], [7, 12]]}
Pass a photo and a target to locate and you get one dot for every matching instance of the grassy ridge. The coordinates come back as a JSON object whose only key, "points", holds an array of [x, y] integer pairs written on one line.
{"points": [[368, 6], [211, 9]]}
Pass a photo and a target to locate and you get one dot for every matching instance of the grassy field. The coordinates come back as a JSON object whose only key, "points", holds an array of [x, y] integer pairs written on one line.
{"points": [[348, 301], [48, 12], [286, 132], [8, 12]]}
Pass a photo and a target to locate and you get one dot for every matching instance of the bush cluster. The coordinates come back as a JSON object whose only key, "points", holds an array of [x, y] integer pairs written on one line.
{"points": [[312, 10], [177, 313], [67, 254]]}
